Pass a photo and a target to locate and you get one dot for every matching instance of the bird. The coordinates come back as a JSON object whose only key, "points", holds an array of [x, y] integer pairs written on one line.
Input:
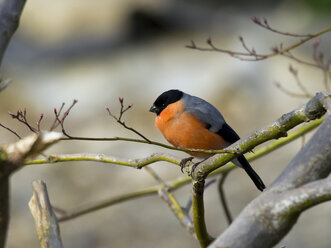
{"points": [[190, 122]]}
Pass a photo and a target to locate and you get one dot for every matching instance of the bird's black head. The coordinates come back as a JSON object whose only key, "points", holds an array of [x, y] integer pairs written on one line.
{"points": [[165, 99]]}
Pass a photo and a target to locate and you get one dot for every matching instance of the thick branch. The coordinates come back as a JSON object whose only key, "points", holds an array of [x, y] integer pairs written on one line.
{"points": [[4, 208], [10, 11], [267, 219], [12, 157], [47, 228]]}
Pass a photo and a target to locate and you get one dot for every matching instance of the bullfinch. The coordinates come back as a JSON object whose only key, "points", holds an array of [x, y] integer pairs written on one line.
{"points": [[190, 122]]}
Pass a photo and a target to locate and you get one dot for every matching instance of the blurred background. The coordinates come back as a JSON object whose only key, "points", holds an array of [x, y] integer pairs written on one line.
{"points": [[97, 51]]}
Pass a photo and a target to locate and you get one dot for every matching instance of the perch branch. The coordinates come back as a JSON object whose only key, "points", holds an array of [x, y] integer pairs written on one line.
{"points": [[178, 182], [303, 184], [315, 108]]}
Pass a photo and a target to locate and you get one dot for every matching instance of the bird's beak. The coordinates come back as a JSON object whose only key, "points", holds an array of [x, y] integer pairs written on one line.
{"points": [[153, 109]]}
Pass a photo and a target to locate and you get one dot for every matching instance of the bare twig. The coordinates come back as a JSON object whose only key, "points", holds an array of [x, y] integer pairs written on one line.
{"points": [[265, 24], [56, 123], [287, 92], [169, 198], [47, 228], [10, 130], [21, 117], [251, 54], [291, 56], [60, 121], [119, 118], [223, 198], [38, 122], [294, 72]]}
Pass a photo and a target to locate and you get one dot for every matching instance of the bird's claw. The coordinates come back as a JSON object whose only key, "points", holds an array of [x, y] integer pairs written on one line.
{"points": [[184, 162]]}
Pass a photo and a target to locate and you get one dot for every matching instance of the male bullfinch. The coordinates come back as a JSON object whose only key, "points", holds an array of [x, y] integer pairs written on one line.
{"points": [[190, 122]]}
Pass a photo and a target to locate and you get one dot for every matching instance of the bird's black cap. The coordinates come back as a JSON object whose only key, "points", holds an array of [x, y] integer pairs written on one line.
{"points": [[165, 99]]}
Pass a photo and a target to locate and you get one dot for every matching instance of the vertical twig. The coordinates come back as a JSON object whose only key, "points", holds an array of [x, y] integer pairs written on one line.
{"points": [[199, 213], [169, 198], [223, 199], [4, 206]]}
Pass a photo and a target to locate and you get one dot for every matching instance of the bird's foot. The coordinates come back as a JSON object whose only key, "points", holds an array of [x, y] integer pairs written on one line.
{"points": [[194, 166], [184, 163]]}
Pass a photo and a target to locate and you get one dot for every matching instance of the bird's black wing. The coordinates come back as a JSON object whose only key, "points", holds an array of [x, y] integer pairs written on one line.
{"points": [[228, 134]]}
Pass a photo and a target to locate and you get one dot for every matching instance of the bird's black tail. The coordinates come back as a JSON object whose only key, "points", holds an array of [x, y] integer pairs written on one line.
{"points": [[252, 174]]}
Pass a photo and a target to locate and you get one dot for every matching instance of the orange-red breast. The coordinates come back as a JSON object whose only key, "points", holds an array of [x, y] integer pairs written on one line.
{"points": [[190, 122]]}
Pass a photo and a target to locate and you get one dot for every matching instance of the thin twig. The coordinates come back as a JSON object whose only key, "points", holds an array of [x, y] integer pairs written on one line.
{"points": [[21, 117], [10, 130], [56, 122], [169, 198], [64, 116], [146, 142], [39, 121], [287, 92], [294, 72], [326, 77], [253, 56], [291, 56], [266, 25], [223, 198], [119, 118]]}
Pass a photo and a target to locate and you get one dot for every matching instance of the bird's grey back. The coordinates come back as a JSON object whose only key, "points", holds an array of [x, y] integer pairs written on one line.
{"points": [[204, 111]]}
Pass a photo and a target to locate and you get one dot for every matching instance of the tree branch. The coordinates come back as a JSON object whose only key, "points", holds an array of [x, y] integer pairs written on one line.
{"points": [[315, 108], [268, 218], [12, 157], [47, 228], [10, 11], [173, 185]]}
